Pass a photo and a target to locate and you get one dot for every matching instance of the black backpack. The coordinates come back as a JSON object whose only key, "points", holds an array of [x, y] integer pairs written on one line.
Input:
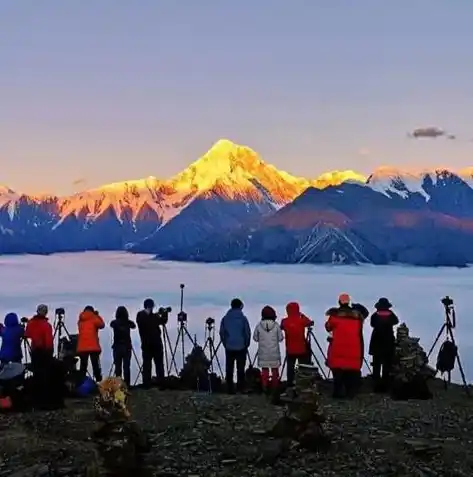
{"points": [[446, 357]]}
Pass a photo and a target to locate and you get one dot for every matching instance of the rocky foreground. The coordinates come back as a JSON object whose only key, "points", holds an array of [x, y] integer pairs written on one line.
{"points": [[218, 435]]}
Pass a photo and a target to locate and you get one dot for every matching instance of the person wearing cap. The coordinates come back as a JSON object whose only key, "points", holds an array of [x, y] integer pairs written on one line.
{"points": [[149, 327], [40, 333], [345, 350], [268, 335], [235, 334], [294, 326], [382, 343]]}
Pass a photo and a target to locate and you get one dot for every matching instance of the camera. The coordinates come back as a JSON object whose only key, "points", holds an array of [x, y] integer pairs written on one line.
{"points": [[24, 320], [210, 322], [447, 302], [60, 311], [181, 286], [182, 317], [163, 312]]}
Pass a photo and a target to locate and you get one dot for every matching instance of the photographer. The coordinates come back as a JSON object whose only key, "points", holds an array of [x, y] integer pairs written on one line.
{"points": [[235, 334], [345, 350], [11, 334], [149, 326], [297, 349], [122, 346], [88, 344]]}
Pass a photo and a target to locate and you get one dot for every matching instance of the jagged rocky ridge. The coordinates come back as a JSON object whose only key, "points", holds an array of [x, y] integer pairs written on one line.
{"points": [[230, 205]]}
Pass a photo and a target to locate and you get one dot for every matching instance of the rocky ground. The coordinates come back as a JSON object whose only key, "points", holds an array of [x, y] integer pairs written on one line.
{"points": [[218, 435]]}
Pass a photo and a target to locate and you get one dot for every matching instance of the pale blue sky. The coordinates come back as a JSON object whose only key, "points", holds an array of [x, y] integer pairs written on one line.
{"points": [[116, 89]]}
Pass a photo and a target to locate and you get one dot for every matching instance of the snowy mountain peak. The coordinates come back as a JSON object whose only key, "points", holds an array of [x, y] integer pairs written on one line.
{"points": [[337, 177], [389, 180], [223, 159]]}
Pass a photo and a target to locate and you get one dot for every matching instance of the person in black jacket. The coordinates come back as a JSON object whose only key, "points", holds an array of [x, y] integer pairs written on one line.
{"points": [[122, 346], [382, 343], [149, 326]]}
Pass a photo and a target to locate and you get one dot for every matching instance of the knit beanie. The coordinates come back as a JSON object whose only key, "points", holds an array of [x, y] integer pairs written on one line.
{"points": [[268, 313]]}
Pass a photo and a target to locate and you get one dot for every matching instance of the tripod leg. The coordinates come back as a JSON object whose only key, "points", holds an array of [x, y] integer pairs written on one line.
{"points": [[442, 329], [216, 359], [316, 341], [324, 374], [174, 352], [460, 367], [165, 348], [283, 367], [368, 367], [254, 360], [169, 347]]}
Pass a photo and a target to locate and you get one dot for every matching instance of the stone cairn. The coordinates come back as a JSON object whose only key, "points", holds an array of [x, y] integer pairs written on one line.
{"points": [[120, 441], [410, 359], [304, 419], [195, 373]]}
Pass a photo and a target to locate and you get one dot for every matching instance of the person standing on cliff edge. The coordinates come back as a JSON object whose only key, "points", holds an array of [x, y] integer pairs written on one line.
{"points": [[235, 334], [345, 350]]}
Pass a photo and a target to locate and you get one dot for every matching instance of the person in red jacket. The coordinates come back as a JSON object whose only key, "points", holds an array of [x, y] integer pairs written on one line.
{"points": [[88, 343], [345, 351], [41, 335], [297, 349]]}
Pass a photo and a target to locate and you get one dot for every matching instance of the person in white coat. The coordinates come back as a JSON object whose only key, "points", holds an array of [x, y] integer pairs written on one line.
{"points": [[268, 335]]}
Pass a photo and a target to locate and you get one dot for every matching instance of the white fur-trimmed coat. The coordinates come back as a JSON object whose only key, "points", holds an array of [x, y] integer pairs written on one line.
{"points": [[268, 335]]}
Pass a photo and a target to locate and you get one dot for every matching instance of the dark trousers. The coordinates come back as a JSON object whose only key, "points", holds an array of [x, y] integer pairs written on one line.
{"points": [[232, 357], [95, 360], [153, 354], [122, 363], [382, 366], [345, 383], [291, 360], [47, 386]]}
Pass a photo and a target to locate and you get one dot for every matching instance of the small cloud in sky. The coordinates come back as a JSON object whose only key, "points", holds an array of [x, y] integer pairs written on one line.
{"points": [[79, 182], [430, 132], [364, 152]]}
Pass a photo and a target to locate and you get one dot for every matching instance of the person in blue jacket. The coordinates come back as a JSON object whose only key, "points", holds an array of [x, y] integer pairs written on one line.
{"points": [[11, 333], [235, 334]]}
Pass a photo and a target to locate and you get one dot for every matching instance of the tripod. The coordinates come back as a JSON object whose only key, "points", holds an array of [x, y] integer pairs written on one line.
{"points": [[448, 326], [60, 328], [310, 355], [210, 343], [182, 333]]}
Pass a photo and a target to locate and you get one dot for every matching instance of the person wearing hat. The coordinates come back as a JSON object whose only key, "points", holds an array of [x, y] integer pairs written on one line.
{"points": [[149, 327], [41, 335], [345, 350], [382, 343], [268, 335]]}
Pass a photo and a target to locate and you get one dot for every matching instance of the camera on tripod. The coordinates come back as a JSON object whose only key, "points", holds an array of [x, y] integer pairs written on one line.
{"points": [[163, 312], [210, 322], [24, 320], [182, 317], [447, 302], [60, 312]]}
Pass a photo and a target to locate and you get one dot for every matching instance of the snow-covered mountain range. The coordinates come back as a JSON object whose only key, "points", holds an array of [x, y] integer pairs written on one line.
{"points": [[231, 205]]}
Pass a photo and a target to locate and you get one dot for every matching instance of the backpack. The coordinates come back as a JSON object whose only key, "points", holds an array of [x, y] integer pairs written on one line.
{"points": [[446, 357]]}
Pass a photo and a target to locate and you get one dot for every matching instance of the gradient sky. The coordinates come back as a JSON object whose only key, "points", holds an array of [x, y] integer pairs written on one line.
{"points": [[97, 92]]}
